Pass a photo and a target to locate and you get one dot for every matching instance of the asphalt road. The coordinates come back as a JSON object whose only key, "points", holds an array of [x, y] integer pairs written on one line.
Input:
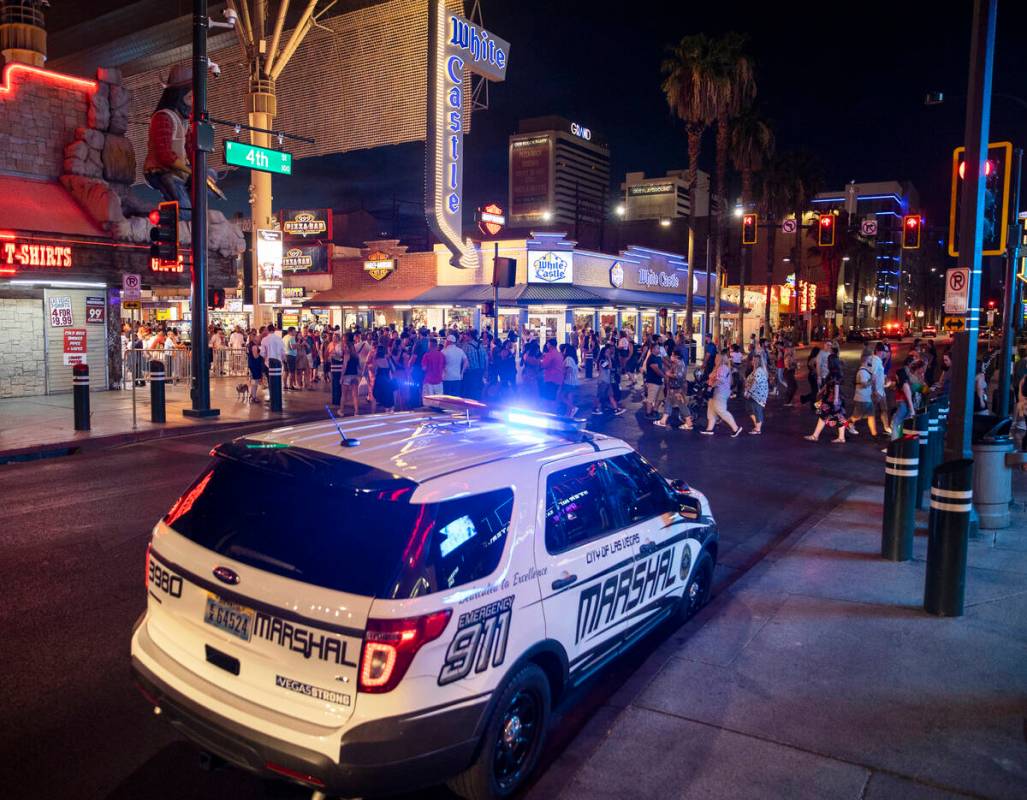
{"points": [[72, 540]]}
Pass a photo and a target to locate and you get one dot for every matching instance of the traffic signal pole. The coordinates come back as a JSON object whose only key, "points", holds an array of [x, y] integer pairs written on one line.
{"points": [[202, 142], [1011, 293], [971, 233]]}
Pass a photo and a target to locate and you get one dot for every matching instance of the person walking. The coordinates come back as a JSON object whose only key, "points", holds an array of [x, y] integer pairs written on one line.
{"points": [[904, 404], [477, 361], [256, 367], [757, 387], [531, 368], [434, 364], [350, 375], [605, 397], [383, 393], [456, 366], [653, 377], [552, 372], [674, 391], [813, 379], [830, 405], [863, 397], [568, 392], [720, 382]]}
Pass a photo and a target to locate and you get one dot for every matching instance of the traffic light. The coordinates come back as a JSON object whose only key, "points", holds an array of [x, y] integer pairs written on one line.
{"points": [[911, 224], [215, 298], [825, 230], [749, 222], [164, 233], [994, 214]]}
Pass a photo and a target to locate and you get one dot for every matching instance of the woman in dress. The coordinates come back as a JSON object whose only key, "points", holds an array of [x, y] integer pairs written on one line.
{"points": [[830, 405], [720, 382], [256, 366], [384, 391], [757, 387]]}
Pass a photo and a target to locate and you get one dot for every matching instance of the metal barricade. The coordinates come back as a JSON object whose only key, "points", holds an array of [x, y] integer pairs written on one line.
{"points": [[136, 365], [228, 362]]}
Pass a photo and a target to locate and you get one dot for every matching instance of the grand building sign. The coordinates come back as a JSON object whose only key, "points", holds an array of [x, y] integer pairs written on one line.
{"points": [[454, 45]]}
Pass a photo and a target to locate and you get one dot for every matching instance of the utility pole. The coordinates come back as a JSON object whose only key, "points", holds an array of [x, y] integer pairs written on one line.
{"points": [[203, 142], [1010, 295], [265, 62], [971, 232]]}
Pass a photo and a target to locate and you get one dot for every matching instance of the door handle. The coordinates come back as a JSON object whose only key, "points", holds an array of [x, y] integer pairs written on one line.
{"points": [[563, 583], [647, 549]]}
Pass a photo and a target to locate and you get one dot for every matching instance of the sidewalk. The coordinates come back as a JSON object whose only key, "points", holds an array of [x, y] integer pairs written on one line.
{"points": [[818, 675], [39, 425]]}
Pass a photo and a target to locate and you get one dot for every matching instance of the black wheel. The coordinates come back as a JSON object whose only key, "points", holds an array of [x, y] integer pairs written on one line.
{"points": [[698, 589], [512, 741]]}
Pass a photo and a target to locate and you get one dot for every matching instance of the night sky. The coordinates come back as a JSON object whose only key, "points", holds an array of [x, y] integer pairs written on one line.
{"points": [[845, 81]]}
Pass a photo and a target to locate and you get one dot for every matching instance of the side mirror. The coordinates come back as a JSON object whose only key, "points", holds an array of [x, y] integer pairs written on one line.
{"points": [[679, 486], [690, 507]]}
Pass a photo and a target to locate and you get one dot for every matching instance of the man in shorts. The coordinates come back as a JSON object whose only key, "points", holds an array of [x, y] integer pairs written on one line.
{"points": [[290, 358]]}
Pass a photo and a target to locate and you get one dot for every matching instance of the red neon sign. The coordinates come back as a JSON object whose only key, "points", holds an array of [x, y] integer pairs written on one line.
{"points": [[25, 254], [7, 87], [158, 265]]}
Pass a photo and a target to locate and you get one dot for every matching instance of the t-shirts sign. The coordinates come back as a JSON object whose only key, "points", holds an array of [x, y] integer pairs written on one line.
{"points": [[60, 312], [96, 310], [74, 346]]}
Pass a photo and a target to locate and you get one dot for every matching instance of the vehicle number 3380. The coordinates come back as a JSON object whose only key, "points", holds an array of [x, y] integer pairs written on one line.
{"points": [[167, 582], [480, 641]]}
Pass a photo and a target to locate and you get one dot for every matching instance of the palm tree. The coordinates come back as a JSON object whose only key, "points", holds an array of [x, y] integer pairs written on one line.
{"points": [[751, 144], [803, 177], [706, 80]]}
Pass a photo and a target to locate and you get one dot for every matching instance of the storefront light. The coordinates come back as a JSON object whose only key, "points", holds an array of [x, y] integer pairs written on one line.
{"points": [[61, 284], [665, 222], [402, 308]]}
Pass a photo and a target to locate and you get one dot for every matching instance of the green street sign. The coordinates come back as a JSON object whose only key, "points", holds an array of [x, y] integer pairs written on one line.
{"points": [[252, 157]]}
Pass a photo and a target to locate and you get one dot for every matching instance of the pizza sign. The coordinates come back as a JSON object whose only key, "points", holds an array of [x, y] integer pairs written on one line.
{"points": [[379, 265]]}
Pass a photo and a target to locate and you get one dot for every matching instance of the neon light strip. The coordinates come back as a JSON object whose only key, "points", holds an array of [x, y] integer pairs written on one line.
{"points": [[6, 87]]}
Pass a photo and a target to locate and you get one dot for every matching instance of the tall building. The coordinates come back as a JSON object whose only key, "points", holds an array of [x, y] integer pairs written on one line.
{"points": [[887, 202], [559, 175], [664, 198]]}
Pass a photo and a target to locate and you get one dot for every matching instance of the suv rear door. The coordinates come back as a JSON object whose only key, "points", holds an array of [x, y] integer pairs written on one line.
{"points": [[588, 564]]}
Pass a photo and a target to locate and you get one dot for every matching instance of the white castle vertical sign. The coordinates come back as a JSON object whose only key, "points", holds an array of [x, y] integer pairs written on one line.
{"points": [[454, 45]]}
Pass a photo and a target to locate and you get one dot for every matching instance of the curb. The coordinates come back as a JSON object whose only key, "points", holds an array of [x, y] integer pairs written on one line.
{"points": [[110, 441]]}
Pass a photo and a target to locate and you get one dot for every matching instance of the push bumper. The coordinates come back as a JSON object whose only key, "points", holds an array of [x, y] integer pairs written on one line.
{"points": [[392, 755]]}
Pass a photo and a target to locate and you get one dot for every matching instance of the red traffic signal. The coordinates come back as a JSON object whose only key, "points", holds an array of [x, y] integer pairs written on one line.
{"points": [[164, 234], [154, 217], [749, 227], [911, 225], [215, 298], [825, 230]]}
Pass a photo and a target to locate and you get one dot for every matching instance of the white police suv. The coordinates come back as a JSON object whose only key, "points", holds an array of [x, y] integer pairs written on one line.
{"points": [[406, 609]]}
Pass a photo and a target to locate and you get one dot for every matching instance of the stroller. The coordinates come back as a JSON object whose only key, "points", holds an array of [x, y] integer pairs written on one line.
{"points": [[699, 394]]}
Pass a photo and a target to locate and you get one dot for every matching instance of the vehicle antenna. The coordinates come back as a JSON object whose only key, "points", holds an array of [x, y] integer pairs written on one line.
{"points": [[345, 440]]}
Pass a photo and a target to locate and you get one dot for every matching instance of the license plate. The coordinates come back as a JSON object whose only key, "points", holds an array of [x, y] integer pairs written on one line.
{"points": [[235, 619]]}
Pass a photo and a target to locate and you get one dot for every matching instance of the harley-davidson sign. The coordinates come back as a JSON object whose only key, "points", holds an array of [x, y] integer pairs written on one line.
{"points": [[379, 265]]}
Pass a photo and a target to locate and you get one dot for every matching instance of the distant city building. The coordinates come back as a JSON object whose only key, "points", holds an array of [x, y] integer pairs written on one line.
{"points": [[886, 202], [559, 175], [665, 197]]}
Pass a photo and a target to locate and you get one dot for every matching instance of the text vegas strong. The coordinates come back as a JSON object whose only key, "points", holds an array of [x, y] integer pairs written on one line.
{"points": [[604, 602]]}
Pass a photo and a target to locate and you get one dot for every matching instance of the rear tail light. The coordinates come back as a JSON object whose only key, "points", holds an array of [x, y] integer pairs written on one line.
{"points": [[295, 775], [147, 579], [391, 644]]}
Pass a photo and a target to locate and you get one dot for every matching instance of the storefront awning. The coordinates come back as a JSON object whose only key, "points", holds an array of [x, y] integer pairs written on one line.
{"points": [[365, 296], [28, 205]]}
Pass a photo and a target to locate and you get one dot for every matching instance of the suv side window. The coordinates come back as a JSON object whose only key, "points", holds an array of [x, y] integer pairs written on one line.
{"points": [[638, 489], [577, 507]]}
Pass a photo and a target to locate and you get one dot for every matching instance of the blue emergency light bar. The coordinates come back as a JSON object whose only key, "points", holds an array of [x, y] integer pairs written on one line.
{"points": [[521, 417]]}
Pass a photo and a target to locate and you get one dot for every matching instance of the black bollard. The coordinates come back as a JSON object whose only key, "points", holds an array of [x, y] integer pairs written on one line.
{"points": [[274, 383], [900, 477], [948, 532], [928, 459], [157, 404], [336, 381], [80, 390], [917, 426]]}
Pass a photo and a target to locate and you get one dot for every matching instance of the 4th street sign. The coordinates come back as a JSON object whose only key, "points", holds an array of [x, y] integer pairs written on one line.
{"points": [[264, 159]]}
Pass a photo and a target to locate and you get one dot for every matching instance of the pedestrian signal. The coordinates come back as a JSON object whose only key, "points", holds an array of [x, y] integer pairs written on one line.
{"points": [[749, 222], [994, 213], [911, 225], [825, 230]]}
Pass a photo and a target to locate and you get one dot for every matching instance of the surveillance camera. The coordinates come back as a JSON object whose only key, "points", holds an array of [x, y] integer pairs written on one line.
{"points": [[231, 17], [215, 70]]}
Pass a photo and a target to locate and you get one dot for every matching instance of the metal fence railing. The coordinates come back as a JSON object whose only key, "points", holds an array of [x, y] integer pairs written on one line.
{"points": [[228, 361], [136, 365]]}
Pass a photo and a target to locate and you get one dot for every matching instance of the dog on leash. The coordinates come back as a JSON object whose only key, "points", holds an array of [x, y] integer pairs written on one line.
{"points": [[242, 392]]}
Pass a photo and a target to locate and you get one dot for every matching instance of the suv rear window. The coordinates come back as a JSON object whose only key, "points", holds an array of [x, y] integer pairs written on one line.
{"points": [[337, 524]]}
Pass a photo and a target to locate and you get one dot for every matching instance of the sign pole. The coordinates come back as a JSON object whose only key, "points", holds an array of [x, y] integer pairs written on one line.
{"points": [[1009, 303], [971, 233], [201, 377]]}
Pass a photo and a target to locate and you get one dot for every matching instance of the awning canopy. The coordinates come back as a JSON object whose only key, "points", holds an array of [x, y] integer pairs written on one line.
{"points": [[522, 295], [43, 207]]}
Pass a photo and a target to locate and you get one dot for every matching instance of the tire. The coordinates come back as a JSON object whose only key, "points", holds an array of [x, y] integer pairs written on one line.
{"points": [[503, 763], [698, 589]]}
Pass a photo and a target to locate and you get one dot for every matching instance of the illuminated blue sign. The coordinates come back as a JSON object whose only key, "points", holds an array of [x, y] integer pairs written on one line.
{"points": [[551, 267], [488, 54]]}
